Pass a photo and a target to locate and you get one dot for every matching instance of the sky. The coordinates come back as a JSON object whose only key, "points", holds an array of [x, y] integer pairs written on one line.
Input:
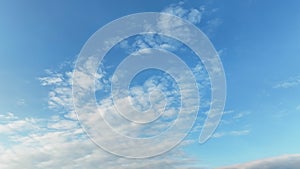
{"points": [[42, 42]]}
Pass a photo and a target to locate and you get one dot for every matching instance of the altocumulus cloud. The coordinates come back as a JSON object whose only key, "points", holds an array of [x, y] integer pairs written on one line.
{"points": [[59, 141]]}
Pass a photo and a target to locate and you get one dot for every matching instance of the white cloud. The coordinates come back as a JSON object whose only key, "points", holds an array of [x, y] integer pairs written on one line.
{"points": [[231, 133], [229, 123], [241, 115], [291, 161], [166, 24], [12, 124], [7, 116], [69, 148], [54, 78], [59, 142], [291, 82], [193, 15], [62, 124], [60, 95]]}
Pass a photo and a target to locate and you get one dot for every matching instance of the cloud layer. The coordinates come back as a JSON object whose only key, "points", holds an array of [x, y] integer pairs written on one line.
{"points": [[282, 162], [60, 142]]}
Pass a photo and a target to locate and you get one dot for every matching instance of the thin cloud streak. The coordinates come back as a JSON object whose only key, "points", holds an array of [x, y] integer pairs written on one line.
{"points": [[291, 161]]}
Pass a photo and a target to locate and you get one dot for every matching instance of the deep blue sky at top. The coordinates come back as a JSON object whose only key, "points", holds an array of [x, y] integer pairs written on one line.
{"points": [[41, 34], [36, 35]]}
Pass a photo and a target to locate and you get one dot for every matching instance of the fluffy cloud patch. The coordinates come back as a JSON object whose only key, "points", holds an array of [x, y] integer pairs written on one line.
{"points": [[60, 143]]}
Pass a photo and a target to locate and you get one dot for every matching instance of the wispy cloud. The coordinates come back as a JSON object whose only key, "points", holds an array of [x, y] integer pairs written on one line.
{"points": [[291, 82], [231, 133], [229, 127], [291, 161]]}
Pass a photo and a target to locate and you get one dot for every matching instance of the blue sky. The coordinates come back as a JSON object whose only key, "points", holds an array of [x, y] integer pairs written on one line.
{"points": [[258, 43]]}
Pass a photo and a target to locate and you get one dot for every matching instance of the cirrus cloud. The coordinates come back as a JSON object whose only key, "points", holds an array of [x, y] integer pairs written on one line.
{"points": [[291, 161]]}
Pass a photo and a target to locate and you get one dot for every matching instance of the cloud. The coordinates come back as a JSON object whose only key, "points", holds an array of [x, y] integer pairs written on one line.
{"points": [[60, 94], [291, 161], [11, 124], [53, 79], [229, 127], [291, 82], [165, 24], [21, 102], [7, 116], [193, 15], [89, 114], [60, 142], [231, 133]]}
